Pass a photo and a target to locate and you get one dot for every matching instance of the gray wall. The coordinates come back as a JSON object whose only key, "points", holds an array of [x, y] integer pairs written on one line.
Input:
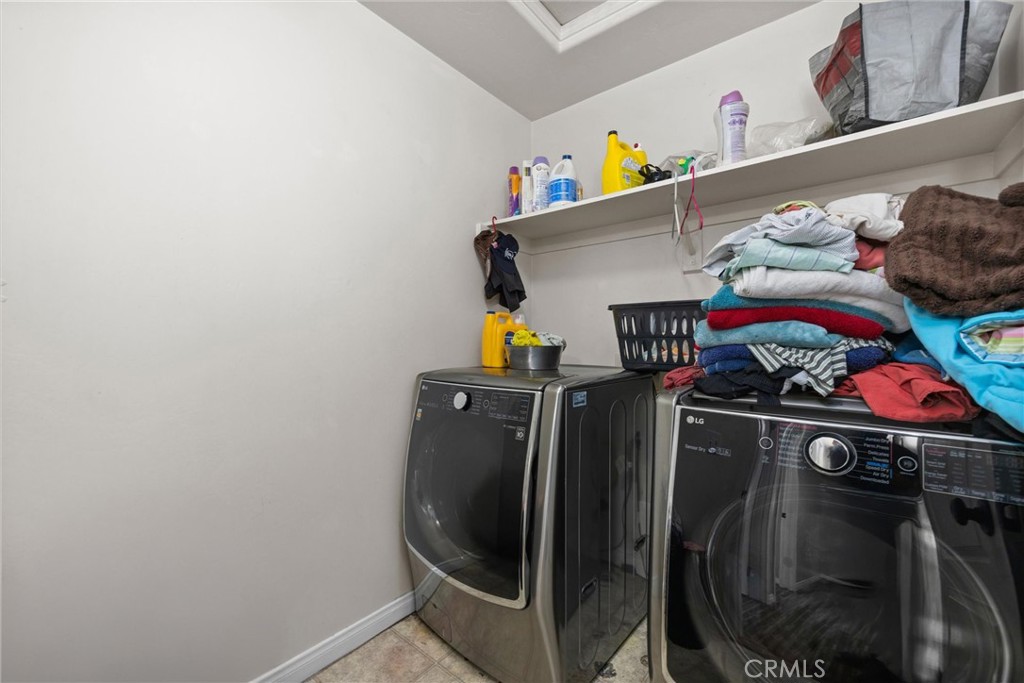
{"points": [[232, 235]]}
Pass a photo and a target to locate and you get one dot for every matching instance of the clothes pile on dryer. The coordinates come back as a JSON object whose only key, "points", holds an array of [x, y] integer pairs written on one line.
{"points": [[960, 263], [813, 300], [802, 301]]}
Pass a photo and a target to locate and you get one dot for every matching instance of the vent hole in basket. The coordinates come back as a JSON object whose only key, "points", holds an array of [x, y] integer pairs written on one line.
{"points": [[684, 325], [664, 323], [675, 323], [685, 354], [664, 351], [632, 323], [653, 324], [675, 350], [654, 351], [623, 325]]}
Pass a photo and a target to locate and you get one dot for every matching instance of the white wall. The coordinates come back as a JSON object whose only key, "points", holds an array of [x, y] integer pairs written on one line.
{"points": [[232, 235], [670, 111]]}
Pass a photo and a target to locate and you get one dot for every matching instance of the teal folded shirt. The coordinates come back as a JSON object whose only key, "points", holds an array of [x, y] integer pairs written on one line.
{"points": [[996, 387], [726, 299], [784, 333], [768, 252]]}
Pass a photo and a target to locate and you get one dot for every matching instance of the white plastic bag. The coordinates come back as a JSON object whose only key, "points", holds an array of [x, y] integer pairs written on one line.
{"points": [[777, 137]]}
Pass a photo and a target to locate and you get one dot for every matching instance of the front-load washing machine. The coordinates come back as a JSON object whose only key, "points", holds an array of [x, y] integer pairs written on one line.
{"points": [[526, 515], [814, 541]]}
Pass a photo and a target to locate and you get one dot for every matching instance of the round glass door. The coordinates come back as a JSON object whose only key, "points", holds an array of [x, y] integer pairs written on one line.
{"points": [[468, 488]]}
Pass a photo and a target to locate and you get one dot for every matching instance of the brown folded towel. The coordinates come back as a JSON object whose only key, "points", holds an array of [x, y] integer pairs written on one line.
{"points": [[959, 254]]}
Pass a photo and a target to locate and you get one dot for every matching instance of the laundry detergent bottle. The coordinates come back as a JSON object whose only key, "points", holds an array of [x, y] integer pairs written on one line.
{"points": [[562, 187], [497, 328], [487, 340], [622, 165]]}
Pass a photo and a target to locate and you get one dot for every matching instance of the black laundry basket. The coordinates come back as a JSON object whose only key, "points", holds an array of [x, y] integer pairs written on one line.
{"points": [[658, 335]]}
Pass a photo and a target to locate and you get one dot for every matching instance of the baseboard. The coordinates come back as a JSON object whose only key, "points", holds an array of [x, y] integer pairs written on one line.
{"points": [[304, 665]]}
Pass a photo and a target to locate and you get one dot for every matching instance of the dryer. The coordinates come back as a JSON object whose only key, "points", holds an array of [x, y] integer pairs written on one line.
{"points": [[526, 515], [811, 540]]}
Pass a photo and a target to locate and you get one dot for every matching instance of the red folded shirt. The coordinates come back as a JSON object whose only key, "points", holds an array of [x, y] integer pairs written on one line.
{"points": [[909, 392], [837, 322]]}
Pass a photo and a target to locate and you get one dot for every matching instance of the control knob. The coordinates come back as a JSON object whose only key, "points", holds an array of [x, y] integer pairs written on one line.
{"points": [[830, 454], [461, 400]]}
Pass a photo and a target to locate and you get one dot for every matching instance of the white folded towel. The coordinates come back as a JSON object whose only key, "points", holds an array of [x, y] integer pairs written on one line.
{"points": [[859, 288], [874, 215]]}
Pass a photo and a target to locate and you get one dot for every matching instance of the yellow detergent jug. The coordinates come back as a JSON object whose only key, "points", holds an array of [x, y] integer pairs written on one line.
{"points": [[622, 165], [487, 340], [492, 341]]}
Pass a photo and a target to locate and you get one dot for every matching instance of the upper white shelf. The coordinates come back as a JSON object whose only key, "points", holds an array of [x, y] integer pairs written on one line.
{"points": [[966, 131]]}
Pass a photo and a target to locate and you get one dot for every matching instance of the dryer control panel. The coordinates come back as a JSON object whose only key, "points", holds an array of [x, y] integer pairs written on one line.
{"points": [[820, 453], [990, 471], [860, 457]]}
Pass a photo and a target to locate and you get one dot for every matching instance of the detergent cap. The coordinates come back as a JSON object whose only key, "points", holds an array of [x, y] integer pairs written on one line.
{"points": [[729, 98], [513, 170], [540, 160], [567, 156]]}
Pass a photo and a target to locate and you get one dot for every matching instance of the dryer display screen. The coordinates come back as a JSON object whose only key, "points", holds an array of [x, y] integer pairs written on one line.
{"points": [[991, 474]]}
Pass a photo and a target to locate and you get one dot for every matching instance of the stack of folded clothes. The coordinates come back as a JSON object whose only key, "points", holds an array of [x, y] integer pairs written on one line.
{"points": [[804, 300]]}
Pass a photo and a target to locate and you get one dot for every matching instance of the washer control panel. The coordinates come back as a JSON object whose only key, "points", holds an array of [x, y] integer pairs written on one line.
{"points": [[498, 404]]}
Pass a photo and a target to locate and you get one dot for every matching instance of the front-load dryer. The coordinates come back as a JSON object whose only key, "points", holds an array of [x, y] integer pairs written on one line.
{"points": [[526, 515], [814, 541]]}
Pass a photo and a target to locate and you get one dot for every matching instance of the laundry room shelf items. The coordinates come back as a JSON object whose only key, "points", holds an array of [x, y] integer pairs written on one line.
{"points": [[994, 126]]}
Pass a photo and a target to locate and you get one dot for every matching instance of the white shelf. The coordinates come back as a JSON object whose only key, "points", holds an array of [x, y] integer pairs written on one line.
{"points": [[974, 129]]}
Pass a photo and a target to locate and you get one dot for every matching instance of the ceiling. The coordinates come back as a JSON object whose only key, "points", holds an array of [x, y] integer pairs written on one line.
{"points": [[542, 56]]}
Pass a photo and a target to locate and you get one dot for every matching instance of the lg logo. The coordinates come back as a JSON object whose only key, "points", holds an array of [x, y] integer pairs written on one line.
{"points": [[691, 420]]}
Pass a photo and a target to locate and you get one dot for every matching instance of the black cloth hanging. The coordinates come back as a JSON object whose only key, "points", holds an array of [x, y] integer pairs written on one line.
{"points": [[498, 252]]}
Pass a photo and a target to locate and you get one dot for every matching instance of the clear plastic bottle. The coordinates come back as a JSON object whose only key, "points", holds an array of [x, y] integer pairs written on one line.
{"points": [[731, 126]]}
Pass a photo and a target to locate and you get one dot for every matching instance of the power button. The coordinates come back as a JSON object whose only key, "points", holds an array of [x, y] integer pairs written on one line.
{"points": [[907, 464], [765, 443]]}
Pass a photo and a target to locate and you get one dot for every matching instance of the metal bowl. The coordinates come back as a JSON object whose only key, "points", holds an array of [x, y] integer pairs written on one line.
{"points": [[533, 357]]}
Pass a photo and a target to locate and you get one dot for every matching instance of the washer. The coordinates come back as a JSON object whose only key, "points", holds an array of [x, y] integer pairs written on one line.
{"points": [[812, 540], [526, 515]]}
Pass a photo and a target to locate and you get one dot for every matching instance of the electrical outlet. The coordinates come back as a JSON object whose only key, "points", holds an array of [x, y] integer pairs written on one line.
{"points": [[691, 247]]}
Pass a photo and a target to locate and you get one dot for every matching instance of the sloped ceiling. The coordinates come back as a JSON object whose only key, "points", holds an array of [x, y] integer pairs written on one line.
{"points": [[540, 57]]}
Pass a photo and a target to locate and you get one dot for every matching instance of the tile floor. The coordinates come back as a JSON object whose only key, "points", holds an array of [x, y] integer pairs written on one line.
{"points": [[409, 652]]}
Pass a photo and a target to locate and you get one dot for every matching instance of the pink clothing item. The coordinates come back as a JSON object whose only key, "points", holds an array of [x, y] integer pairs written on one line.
{"points": [[910, 393], [682, 377], [872, 254]]}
